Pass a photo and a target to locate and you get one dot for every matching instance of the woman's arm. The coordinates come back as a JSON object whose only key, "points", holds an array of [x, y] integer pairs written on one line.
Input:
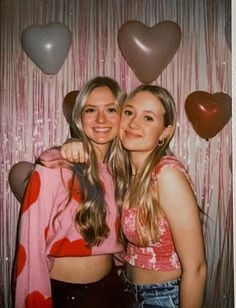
{"points": [[179, 205], [73, 151], [33, 287]]}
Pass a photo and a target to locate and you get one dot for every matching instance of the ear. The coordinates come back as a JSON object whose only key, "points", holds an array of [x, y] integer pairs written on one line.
{"points": [[166, 132]]}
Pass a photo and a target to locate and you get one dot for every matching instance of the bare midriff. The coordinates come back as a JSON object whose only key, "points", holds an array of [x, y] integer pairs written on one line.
{"points": [[81, 269], [142, 276]]}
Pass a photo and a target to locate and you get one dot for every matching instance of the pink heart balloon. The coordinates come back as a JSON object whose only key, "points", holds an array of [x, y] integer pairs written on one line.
{"points": [[18, 178], [148, 50], [47, 46]]}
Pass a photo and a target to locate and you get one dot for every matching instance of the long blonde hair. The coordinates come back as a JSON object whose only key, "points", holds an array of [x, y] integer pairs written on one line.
{"points": [[91, 215], [141, 193]]}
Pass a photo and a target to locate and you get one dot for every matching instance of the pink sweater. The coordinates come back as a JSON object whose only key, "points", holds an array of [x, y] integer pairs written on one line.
{"points": [[41, 238]]}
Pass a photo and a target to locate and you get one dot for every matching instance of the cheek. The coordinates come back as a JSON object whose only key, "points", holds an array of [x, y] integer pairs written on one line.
{"points": [[121, 126], [123, 122], [155, 134], [115, 120], [86, 120]]}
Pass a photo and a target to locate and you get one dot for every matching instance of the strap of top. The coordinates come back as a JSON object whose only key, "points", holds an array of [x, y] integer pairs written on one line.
{"points": [[170, 161]]}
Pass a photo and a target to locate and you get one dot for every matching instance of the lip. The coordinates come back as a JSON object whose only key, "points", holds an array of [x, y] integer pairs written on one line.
{"points": [[101, 129], [131, 134]]}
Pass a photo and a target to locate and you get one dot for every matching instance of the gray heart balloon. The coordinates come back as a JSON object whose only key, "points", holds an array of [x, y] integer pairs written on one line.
{"points": [[47, 46]]}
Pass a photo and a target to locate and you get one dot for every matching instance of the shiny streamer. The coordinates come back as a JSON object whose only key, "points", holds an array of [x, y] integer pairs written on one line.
{"points": [[32, 118]]}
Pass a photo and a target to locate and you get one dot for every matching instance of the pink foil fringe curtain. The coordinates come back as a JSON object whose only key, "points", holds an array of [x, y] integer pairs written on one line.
{"points": [[32, 118]]}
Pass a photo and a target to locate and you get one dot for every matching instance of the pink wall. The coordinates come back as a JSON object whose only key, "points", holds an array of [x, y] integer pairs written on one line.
{"points": [[31, 104]]}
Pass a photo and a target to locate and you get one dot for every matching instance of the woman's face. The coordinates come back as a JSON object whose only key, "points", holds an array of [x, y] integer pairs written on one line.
{"points": [[142, 123], [100, 118]]}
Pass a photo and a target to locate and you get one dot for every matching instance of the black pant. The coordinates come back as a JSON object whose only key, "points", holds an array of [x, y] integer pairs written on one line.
{"points": [[105, 293]]}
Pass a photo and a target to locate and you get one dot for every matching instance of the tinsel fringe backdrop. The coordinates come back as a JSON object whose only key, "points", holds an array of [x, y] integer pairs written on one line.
{"points": [[31, 105]]}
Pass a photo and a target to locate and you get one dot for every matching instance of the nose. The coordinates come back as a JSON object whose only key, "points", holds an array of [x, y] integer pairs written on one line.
{"points": [[134, 122], [101, 117]]}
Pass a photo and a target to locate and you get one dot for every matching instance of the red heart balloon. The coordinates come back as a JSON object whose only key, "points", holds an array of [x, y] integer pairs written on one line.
{"points": [[148, 50], [208, 113], [18, 178]]}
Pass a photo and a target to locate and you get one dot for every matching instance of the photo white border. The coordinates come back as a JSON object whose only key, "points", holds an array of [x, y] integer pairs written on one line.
{"points": [[233, 48]]}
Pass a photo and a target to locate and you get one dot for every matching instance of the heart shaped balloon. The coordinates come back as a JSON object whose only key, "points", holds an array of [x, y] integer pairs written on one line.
{"points": [[208, 113], [228, 32], [47, 46], [18, 178], [148, 50], [68, 104]]}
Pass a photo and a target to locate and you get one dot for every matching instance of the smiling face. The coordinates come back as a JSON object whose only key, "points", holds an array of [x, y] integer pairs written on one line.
{"points": [[142, 123], [100, 119]]}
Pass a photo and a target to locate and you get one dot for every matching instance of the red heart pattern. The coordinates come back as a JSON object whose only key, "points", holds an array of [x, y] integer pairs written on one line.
{"points": [[65, 247], [37, 300], [32, 191]]}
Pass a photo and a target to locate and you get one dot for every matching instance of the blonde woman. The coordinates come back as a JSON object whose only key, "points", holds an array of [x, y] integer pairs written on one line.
{"points": [[68, 230], [165, 259]]}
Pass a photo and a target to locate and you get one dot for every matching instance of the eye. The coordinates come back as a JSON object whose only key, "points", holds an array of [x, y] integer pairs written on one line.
{"points": [[148, 118], [89, 110], [112, 110], [127, 112]]}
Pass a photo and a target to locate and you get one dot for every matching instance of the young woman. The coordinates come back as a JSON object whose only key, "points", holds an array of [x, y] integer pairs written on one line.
{"points": [[160, 217], [165, 260], [68, 224]]}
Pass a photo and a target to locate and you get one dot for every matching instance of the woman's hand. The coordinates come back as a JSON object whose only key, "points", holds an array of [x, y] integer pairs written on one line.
{"points": [[73, 151]]}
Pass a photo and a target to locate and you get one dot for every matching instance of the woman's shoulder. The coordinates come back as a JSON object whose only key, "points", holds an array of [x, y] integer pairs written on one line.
{"points": [[51, 167], [168, 162]]}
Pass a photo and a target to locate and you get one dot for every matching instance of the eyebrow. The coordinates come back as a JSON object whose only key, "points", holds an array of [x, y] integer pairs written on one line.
{"points": [[109, 104], [147, 111]]}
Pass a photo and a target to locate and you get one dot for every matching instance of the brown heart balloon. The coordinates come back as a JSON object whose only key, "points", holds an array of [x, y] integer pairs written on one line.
{"points": [[68, 104], [148, 50], [208, 113], [18, 178]]}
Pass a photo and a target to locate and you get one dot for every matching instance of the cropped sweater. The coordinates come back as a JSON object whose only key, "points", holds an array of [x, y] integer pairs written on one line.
{"points": [[43, 237]]}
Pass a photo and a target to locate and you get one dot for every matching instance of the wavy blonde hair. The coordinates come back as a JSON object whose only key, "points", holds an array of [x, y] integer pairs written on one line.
{"points": [[141, 193], [91, 215]]}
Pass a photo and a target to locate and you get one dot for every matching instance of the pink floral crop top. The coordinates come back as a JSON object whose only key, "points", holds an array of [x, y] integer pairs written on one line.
{"points": [[162, 254]]}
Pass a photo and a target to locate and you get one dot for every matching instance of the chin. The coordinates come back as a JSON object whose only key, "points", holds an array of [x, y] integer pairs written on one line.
{"points": [[130, 147]]}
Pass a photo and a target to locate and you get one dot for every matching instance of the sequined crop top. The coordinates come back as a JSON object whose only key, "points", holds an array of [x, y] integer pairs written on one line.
{"points": [[162, 254]]}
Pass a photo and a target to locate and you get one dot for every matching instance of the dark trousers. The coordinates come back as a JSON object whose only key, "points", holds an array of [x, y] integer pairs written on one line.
{"points": [[105, 293]]}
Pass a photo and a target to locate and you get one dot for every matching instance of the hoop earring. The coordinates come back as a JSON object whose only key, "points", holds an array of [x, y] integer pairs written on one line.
{"points": [[161, 142]]}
